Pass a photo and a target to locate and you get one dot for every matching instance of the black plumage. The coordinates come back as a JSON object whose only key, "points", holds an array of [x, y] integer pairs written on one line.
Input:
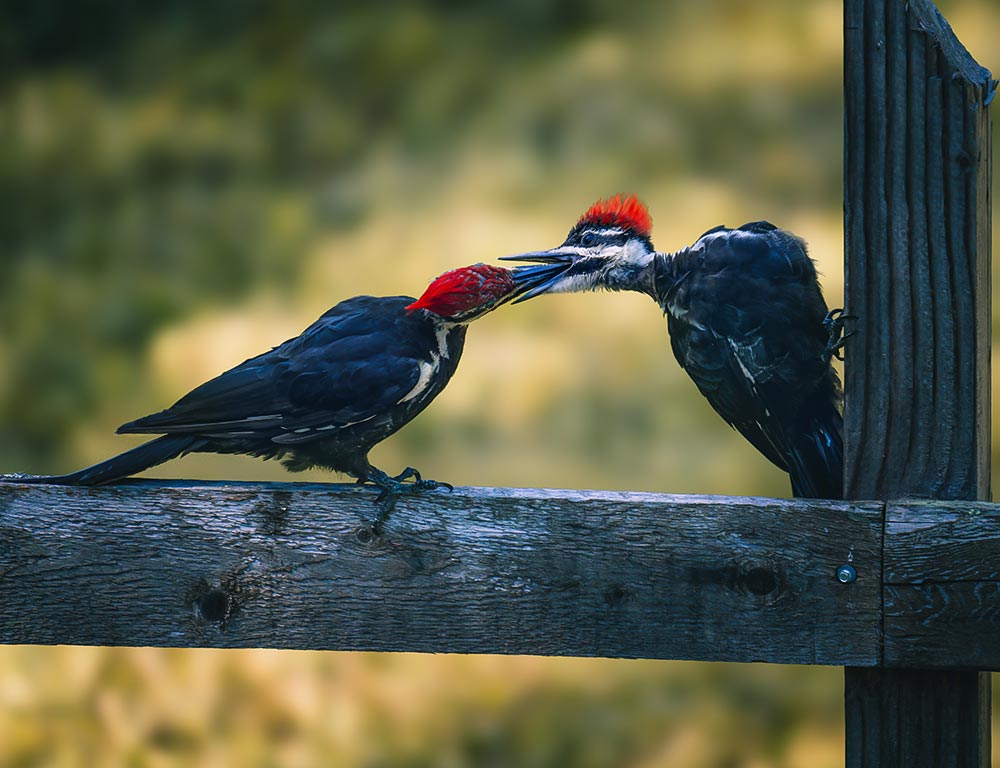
{"points": [[747, 322], [325, 398], [322, 399]]}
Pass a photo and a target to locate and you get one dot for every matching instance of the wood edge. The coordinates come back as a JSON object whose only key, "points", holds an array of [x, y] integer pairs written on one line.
{"points": [[873, 507], [956, 54]]}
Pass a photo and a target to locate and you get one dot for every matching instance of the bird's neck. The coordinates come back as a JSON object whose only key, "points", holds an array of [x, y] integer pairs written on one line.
{"points": [[640, 278], [666, 275]]}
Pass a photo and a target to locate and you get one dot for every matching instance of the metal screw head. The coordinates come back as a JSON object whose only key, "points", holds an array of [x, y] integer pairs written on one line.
{"points": [[846, 574]]}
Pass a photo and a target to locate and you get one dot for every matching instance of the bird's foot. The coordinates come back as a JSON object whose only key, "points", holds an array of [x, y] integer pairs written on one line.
{"points": [[418, 484], [834, 324], [394, 487]]}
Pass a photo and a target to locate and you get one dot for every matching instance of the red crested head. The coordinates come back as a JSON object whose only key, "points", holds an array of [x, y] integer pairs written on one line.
{"points": [[627, 212], [467, 293]]}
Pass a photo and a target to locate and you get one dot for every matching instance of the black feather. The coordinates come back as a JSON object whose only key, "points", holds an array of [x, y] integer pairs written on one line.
{"points": [[745, 314], [324, 398], [124, 464]]}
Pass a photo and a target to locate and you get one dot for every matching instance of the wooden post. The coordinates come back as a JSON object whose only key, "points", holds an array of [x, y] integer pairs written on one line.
{"points": [[917, 239]]}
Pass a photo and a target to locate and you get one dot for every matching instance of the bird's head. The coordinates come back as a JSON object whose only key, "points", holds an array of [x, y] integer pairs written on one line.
{"points": [[609, 247], [463, 295]]}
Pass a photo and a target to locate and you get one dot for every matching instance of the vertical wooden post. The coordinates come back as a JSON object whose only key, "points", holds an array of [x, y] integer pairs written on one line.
{"points": [[917, 239]]}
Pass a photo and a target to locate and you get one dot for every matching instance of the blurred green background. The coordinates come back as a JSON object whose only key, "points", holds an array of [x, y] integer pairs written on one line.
{"points": [[187, 183]]}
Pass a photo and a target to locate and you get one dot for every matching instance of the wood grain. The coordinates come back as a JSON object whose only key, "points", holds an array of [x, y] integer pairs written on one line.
{"points": [[917, 255], [942, 585], [475, 571], [916, 421], [942, 542], [950, 626], [918, 707]]}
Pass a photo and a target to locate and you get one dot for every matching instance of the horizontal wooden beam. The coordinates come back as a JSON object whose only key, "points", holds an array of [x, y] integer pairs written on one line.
{"points": [[486, 570], [474, 571]]}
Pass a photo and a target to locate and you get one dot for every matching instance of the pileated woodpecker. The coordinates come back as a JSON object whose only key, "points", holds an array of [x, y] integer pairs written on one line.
{"points": [[325, 398], [747, 321]]}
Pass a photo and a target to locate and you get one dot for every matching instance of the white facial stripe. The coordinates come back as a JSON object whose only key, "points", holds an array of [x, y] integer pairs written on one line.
{"points": [[635, 253], [576, 284], [568, 250]]}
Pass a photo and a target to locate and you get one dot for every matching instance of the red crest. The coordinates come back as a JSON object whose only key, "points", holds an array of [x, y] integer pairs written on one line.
{"points": [[461, 290], [625, 211]]}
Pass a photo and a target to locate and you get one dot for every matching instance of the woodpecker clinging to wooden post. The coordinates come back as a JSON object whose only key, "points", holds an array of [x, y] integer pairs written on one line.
{"points": [[747, 321], [323, 399]]}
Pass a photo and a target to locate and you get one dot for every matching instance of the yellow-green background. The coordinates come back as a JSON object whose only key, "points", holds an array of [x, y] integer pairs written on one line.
{"points": [[185, 184]]}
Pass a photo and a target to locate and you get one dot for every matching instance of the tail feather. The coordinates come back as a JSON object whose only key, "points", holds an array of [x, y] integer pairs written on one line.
{"points": [[124, 464], [816, 464]]}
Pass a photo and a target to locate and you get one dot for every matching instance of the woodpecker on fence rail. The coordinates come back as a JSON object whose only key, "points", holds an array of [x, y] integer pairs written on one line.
{"points": [[746, 318], [323, 399]]}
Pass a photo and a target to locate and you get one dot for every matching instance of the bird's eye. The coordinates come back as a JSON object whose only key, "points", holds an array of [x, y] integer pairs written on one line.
{"points": [[588, 239]]}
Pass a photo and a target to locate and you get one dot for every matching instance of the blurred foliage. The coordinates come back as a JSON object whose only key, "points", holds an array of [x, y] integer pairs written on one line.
{"points": [[186, 183]]}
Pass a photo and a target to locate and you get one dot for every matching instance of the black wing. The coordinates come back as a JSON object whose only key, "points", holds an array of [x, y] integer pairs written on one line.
{"points": [[351, 365], [726, 373], [745, 314]]}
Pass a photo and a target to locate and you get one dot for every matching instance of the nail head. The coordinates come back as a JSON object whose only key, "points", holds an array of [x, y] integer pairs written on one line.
{"points": [[846, 574]]}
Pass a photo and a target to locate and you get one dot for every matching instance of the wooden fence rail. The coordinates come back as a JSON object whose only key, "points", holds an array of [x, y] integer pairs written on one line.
{"points": [[502, 571]]}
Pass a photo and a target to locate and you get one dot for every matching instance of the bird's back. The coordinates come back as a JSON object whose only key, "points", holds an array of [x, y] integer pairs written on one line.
{"points": [[746, 319], [352, 378]]}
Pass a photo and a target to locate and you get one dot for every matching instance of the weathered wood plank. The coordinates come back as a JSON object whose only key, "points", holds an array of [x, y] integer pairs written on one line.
{"points": [[942, 584], [943, 625], [942, 542], [475, 571], [916, 421]]}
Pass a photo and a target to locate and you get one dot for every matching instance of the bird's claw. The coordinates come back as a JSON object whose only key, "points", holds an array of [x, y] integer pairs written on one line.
{"points": [[834, 324], [433, 485], [418, 484], [835, 319], [394, 487], [407, 474]]}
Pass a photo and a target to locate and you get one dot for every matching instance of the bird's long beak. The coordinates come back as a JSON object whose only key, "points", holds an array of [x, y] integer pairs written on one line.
{"points": [[549, 267]]}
